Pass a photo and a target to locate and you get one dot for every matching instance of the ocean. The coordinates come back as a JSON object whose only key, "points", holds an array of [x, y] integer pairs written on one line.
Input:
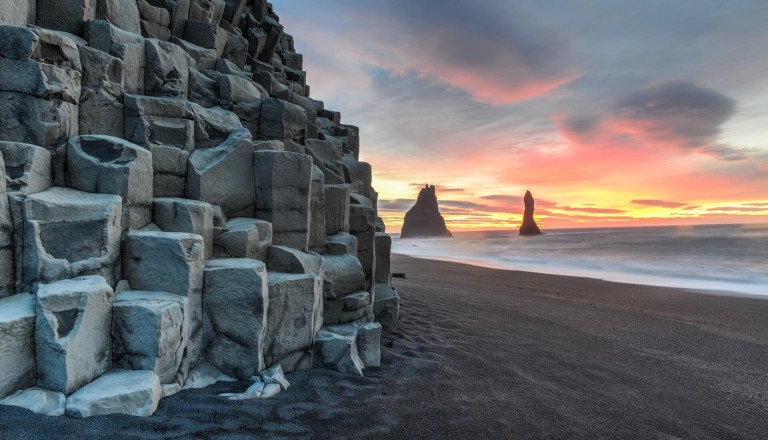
{"points": [[731, 258]]}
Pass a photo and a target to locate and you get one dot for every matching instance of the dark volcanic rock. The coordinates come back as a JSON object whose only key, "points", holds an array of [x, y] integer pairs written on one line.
{"points": [[529, 226], [424, 219]]}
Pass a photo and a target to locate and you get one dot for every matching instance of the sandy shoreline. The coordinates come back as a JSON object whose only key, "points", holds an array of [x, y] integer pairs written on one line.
{"points": [[501, 354]]}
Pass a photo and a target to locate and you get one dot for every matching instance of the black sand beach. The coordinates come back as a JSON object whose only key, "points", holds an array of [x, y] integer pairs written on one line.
{"points": [[484, 353]]}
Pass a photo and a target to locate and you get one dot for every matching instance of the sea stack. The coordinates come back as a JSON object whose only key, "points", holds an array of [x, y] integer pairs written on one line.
{"points": [[529, 226], [424, 219]]}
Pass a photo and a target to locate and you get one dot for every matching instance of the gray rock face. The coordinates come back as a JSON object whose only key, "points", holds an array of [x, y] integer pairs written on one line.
{"points": [[224, 175], [38, 400], [283, 185], [61, 233], [138, 139], [244, 238], [336, 209], [127, 46], [292, 319], [236, 298], [282, 120], [150, 332], [122, 14], [27, 168], [341, 244], [289, 260], [338, 351], [170, 262], [7, 266], [109, 165], [383, 249], [386, 306], [72, 336], [183, 215], [135, 393], [17, 349], [167, 70]]}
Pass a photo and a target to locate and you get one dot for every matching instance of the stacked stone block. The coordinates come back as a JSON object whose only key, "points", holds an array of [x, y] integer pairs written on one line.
{"points": [[174, 207]]}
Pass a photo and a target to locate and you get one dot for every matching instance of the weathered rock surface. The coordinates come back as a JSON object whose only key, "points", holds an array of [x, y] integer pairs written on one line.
{"points": [[17, 351], [236, 299], [38, 400], [292, 315], [149, 332], [424, 219], [139, 139], [109, 165], [61, 233], [135, 393], [72, 335], [386, 305], [529, 226]]}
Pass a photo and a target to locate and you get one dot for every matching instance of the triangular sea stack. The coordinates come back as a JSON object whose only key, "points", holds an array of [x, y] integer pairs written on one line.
{"points": [[424, 219], [529, 226]]}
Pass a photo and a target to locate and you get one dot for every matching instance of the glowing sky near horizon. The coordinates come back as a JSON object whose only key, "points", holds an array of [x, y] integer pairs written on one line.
{"points": [[610, 113]]}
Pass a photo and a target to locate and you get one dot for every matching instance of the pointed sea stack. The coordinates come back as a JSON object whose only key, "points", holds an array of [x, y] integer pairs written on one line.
{"points": [[529, 226], [424, 219]]}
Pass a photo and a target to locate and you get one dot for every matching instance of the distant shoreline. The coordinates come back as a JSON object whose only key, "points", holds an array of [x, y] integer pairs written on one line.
{"points": [[485, 265]]}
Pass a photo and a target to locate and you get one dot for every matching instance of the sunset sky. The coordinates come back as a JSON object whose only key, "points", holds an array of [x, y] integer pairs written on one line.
{"points": [[612, 113]]}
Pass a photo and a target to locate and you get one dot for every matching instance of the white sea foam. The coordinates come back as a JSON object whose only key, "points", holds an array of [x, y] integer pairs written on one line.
{"points": [[707, 257]]}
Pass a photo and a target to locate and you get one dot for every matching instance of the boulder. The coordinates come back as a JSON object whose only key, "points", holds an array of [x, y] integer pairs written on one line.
{"points": [[62, 233], [135, 393], [236, 298], [529, 226], [38, 400], [369, 343], [149, 332], [204, 374], [27, 167], [224, 175], [170, 262], [72, 332], [386, 305], [244, 238], [184, 215], [109, 165], [337, 352], [424, 219], [283, 185], [293, 318], [17, 343]]}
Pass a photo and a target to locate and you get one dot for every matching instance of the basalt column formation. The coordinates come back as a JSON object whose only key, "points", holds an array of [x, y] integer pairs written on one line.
{"points": [[174, 208]]}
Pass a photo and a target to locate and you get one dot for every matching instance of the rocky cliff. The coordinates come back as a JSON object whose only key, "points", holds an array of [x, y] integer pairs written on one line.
{"points": [[175, 209], [529, 226], [424, 219]]}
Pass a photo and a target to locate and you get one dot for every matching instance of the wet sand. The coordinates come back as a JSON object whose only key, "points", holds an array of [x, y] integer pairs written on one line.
{"points": [[494, 354]]}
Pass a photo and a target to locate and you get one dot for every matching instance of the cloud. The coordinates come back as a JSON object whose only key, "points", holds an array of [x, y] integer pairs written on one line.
{"points": [[672, 114], [660, 203], [738, 209], [591, 210]]}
